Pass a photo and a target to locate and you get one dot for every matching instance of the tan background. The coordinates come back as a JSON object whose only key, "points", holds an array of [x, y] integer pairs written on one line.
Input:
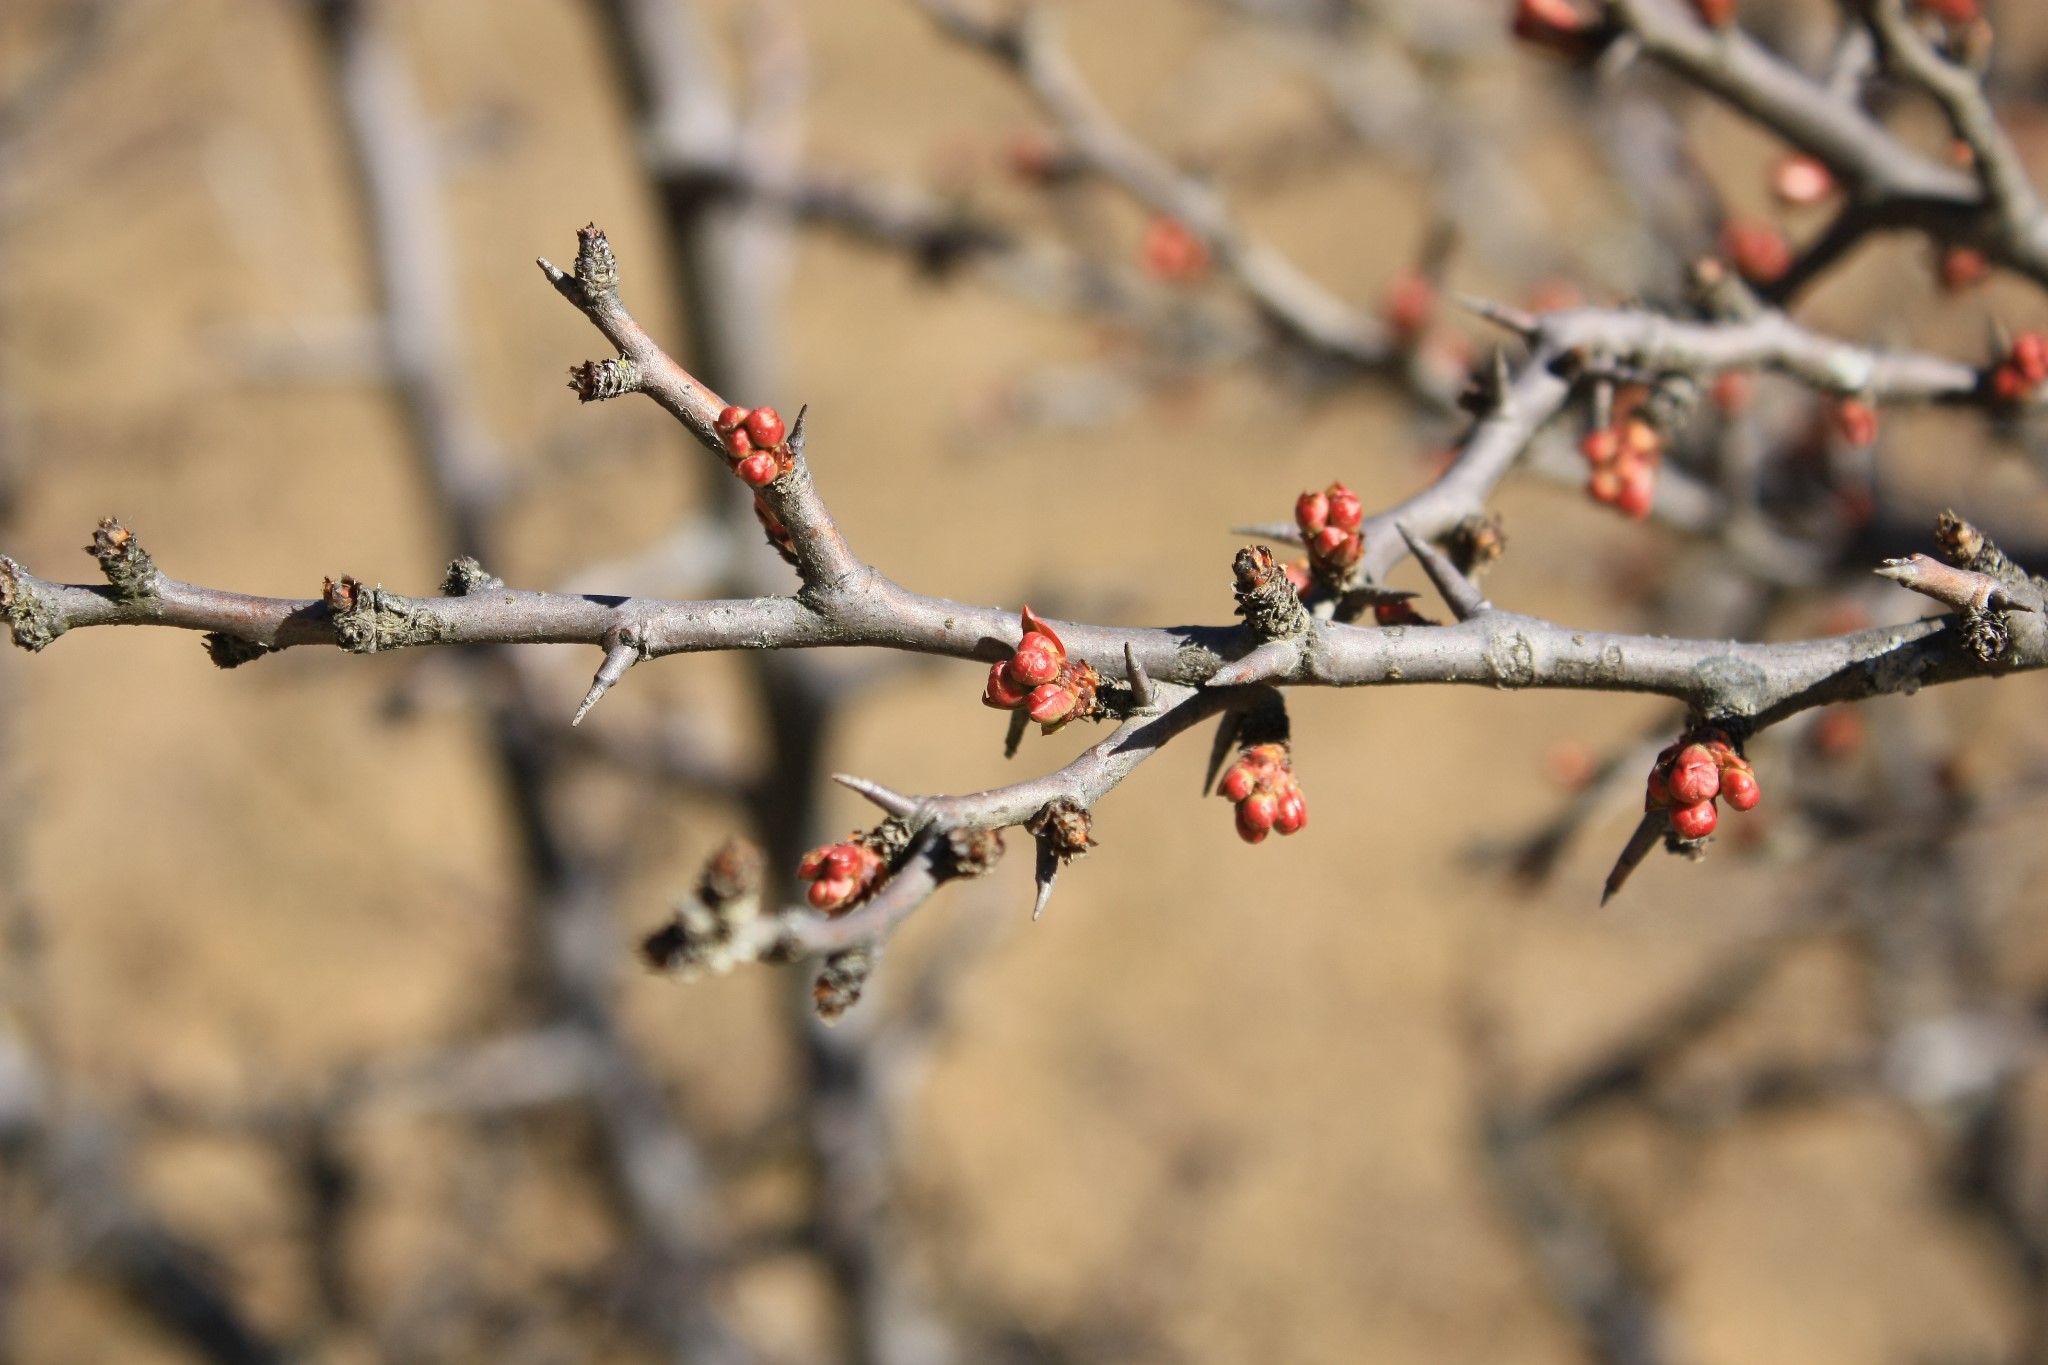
{"points": [[1224, 1092]]}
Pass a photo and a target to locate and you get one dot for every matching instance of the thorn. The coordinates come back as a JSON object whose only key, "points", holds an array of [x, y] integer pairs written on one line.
{"points": [[1226, 740], [1464, 600], [1522, 323], [795, 439], [1269, 660], [617, 660], [1019, 721], [562, 280], [893, 802], [1503, 376], [1141, 681], [1964, 589], [1648, 831], [1048, 869]]}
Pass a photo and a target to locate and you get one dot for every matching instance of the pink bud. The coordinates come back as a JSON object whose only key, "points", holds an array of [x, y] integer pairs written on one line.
{"points": [[841, 860], [731, 418], [2030, 356], [1033, 667], [1696, 821], [1658, 794], [737, 443], [1346, 512], [1001, 693], [808, 867], [1237, 784], [1740, 788], [829, 893], [1328, 541], [1033, 623], [1050, 704], [1695, 777], [1292, 813], [1638, 491], [757, 470], [1255, 815], [1311, 513], [765, 426]]}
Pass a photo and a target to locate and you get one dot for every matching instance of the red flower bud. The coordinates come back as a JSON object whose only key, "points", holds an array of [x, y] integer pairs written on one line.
{"points": [[1695, 776], [809, 866], [1311, 512], [1292, 812], [1346, 512], [1759, 251], [1856, 420], [829, 893], [1801, 179], [1173, 253], [1719, 13], [1601, 446], [765, 426], [1034, 663], [1327, 542], [730, 418], [1954, 11], [1638, 490], [1032, 623], [1557, 25], [1696, 821], [1298, 575], [1740, 790], [1961, 267], [737, 443], [1001, 693], [2030, 356], [758, 470], [1733, 391], [1657, 795], [841, 860], [1255, 816], [1410, 301], [2009, 385], [1237, 784], [1050, 704], [1606, 485]]}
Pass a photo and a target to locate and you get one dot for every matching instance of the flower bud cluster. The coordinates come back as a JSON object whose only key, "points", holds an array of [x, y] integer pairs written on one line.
{"points": [[1329, 523], [2016, 377], [1261, 784], [1692, 775], [841, 875], [754, 441], [1039, 679], [1624, 460]]}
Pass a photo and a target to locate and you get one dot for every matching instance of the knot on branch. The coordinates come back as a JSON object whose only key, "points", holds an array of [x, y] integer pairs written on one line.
{"points": [[707, 932], [1476, 543], [121, 557], [1064, 827], [1266, 596], [30, 618], [597, 380], [597, 270], [1987, 633], [368, 620], [1966, 547], [466, 577], [972, 852], [841, 981], [232, 651]]}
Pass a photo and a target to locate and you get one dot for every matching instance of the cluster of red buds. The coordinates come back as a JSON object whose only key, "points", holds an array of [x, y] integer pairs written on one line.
{"points": [[1624, 459], [2025, 365], [1692, 774], [1329, 523], [1261, 784], [1040, 679], [754, 441], [841, 875]]}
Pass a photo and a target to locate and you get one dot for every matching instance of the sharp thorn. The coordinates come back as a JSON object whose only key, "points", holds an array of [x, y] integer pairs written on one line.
{"points": [[1141, 681], [893, 802], [617, 660], [1226, 740], [1516, 320]]}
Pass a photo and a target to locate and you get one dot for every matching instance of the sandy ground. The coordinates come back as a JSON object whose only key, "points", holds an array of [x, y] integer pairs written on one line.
{"points": [[1224, 1092]]}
